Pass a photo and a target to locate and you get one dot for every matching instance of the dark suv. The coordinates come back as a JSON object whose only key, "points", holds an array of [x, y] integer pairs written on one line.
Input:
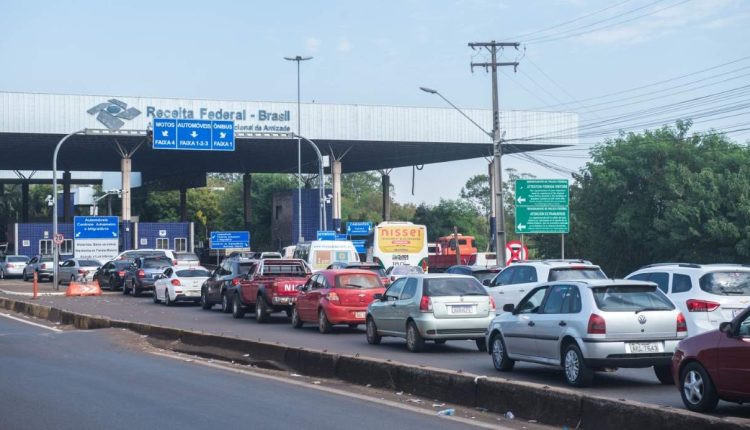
{"points": [[143, 273], [219, 287]]}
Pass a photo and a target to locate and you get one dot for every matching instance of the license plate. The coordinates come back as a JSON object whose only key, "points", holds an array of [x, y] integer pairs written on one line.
{"points": [[462, 309], [639, 348], [359, 315], [192, 293]]}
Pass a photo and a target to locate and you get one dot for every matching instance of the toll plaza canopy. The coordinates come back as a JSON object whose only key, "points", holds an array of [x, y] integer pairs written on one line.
{"points": [[363, 137]]}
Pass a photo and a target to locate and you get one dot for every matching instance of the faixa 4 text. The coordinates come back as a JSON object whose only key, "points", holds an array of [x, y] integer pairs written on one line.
{"points": [[218, 114]]}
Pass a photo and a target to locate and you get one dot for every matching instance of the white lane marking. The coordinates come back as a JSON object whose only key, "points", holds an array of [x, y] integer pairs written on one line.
{"points": [[27, 294], [57, 330], [331, 390]]}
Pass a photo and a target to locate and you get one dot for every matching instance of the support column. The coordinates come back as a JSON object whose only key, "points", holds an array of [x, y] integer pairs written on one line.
{"points": [[386, 197], [67, 209], [493, 200], [247, 183], [183, 203], [127, 237], [336, 179], [25, 201]]}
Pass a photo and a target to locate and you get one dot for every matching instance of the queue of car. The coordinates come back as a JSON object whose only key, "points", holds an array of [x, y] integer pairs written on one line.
{"points": [[690, 322]]}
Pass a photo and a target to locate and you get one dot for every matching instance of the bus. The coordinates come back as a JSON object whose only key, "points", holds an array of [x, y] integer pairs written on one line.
{"points": [[398, 243]]}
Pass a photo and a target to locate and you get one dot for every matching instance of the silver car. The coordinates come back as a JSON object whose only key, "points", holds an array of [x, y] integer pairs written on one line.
{"points": [[77, 270], [42, 265], [12, 265], [431, 307], [587, 325]]}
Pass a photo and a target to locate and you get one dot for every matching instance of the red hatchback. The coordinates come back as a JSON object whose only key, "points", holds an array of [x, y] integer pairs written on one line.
{"points": [[336, 297], [715, 365]]}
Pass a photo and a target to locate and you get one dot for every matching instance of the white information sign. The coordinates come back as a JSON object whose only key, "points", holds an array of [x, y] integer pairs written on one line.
{"points": [[96, 249]]}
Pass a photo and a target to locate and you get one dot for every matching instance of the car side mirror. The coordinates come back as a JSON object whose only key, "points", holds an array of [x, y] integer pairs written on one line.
{"points": [[727, 328], [377, 296], [486, 282], [509, 307]]}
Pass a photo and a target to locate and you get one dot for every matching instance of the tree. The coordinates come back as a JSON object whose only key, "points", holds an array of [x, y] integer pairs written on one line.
{"points": [[441, 218], [663, 196]]}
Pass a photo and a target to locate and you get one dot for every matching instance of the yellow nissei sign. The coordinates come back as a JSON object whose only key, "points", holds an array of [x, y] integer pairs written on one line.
{"points": [[406, 240]]}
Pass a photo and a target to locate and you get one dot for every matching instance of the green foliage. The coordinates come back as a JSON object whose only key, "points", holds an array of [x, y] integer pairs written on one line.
{"points": [[663, 196], [441, 218]]}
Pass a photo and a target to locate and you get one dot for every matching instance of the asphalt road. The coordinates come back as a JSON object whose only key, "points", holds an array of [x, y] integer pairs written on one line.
{"points": [[631, 384], [88, 380]]}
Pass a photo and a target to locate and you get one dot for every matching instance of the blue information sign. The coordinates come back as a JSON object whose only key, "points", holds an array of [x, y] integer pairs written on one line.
{"points": [[193, 134], [341, 236], [358, 228], [360, 246], [326, 235], [230, 239], [96, 227]]}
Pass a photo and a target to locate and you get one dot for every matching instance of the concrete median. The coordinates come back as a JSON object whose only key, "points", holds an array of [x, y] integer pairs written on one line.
{"points": [[548, 405]]}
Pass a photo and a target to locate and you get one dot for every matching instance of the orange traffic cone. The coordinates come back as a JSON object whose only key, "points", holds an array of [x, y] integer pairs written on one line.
{"points": [[83, 289]]}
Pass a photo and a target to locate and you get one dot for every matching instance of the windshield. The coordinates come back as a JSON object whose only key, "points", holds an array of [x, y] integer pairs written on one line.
{"points": [[18, 259], [440, 287], [571, 273], [88, 263], [407, 270], [726, 283], [631, 298], [186, 256], [358, 281], [193, 273]]}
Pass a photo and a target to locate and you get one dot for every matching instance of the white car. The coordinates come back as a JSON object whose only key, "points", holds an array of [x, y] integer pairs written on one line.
{"points": [[707, 294], [518, 278], [180, 284]]}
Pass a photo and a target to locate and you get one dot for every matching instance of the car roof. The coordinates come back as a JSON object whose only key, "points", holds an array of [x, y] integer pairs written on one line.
{"points": [[556, 263], [437, 276], [594, 283], [186, 267], [335, 272], [713, 266]]}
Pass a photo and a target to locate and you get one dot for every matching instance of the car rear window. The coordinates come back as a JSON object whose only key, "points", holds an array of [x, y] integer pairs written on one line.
{"points": [[156, 263], [375, 269], [193, 273], [46, 259], [726, 283], [17, 259], [571, 273], [186, 256], [407, 270], [284, 269], [631, 298], [358, 280], [481, 275], [89, 263], [440, 287]]}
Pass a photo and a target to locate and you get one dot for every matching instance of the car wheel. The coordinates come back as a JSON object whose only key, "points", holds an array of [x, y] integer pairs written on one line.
{"points": [[577, 373], [72, 279], [696, 388], [226, 307], [205, 304], [414, 340], [2, 274], [238, 311], [288, 313], [155, 298], [167, 300], [261, 310], [324, 326], [111, 284], [135, 290], [296, 320], [25, 277], [481, 345], [125, 289], [373, 338], [664, 374], [500, 354]]}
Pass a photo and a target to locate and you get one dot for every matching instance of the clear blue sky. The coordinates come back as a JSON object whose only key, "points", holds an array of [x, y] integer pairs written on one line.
{"points": [[381, 52]]}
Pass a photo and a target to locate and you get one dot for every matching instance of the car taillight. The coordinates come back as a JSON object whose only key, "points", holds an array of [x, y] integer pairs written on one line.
{"points": [[121, 273], [493, 307], [176, 282], [43, 266], [681, 323], [81, 271], [425, 305], [174, 262], [332, 297], [141, 274], [597, 325], [235, 281], [701, 305], [393, 278]]}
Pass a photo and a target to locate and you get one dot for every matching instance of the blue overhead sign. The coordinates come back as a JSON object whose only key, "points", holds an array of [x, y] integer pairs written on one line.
{"points": [[230, 239], [341, 236], [358, 228], [326, 235], [96, 227], [193, 134], [359, 245]]}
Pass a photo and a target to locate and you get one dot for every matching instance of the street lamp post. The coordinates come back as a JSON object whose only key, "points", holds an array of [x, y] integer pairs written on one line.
{"points": [[299, 59], [496, 187]]}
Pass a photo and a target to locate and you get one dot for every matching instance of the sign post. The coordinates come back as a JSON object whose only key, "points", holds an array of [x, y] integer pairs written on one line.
{"points": [[542, 206]]}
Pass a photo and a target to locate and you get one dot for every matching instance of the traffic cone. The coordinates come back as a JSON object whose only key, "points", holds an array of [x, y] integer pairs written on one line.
{"points": [[83, 289]]}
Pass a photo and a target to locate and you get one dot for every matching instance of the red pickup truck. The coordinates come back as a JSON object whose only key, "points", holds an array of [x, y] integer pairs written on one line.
{"points": [[271, 286]]}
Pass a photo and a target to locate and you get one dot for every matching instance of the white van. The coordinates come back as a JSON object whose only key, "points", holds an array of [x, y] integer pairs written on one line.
{"points": [[288, 251], [319, 254]]}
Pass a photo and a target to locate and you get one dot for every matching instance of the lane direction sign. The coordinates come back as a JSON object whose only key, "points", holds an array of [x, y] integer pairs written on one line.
{"points": [[96, 227], [230, 239], [193, 134]]}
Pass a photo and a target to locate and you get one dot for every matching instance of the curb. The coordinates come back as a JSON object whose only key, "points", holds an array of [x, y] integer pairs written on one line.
{"points": [[547, 405]]}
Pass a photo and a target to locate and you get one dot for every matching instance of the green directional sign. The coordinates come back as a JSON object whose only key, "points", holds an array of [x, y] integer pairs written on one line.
{"points": [[542, 206]]}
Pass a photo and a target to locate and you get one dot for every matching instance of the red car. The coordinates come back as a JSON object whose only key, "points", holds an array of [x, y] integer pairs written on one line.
{"points": [[715, 365], [336, 297]]}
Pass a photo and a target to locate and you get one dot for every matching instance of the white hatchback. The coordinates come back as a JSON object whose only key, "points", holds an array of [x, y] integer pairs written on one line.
{"points": [[707, 294], [180, 283]]}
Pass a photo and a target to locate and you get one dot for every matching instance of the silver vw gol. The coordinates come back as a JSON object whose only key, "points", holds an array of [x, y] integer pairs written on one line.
{"points": [[431, 307], [589, 325]]}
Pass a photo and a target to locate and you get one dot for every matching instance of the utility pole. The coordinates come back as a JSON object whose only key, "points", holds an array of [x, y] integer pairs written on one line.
{"points": [[497, 140]]}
